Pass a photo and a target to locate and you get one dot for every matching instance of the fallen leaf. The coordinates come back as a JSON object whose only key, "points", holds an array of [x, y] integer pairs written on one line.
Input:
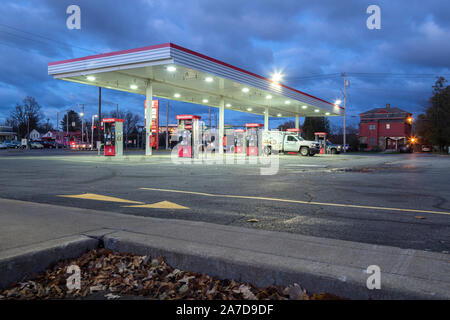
{"points": [[294, 291], [96, 288], [184, 288], [111, 296], [246, 293], [252, 220]]}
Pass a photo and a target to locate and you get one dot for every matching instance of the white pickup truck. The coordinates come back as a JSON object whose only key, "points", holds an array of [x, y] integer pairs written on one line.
{"points": [[283, 141]]}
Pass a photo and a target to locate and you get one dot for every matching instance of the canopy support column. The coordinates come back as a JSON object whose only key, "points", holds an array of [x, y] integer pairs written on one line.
{"points": [[296, 122], [221, 124], [266, 119], [148, 118]]}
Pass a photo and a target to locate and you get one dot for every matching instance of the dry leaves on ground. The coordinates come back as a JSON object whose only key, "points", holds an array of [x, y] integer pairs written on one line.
{"points": [[121, 274]]}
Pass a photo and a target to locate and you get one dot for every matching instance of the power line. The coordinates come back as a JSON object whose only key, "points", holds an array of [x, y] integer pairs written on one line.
{"points": [[314, 76], [43, 37], [396, 75], [22, 37], [391, 89], [368, 74]]}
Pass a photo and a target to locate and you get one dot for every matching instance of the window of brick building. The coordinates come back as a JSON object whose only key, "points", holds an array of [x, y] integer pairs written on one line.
{"points": [[371, 127]]}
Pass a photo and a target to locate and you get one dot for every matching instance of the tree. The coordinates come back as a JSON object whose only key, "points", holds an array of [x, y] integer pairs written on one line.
{"points": [[286, 125], [46, 126], [25, 117], [337, 136], [315, 124], [74, 121], [434, 125], [131, 121]]}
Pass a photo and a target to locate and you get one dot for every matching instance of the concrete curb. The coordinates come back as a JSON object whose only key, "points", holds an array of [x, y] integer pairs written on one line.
{"points": [[263, 269], [18, 264], [258, 256]]}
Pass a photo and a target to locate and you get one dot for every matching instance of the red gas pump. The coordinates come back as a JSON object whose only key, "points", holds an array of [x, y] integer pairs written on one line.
{"points": [[321, 137], [239, 140], [253, 138], [188, 135], [113, 134]]}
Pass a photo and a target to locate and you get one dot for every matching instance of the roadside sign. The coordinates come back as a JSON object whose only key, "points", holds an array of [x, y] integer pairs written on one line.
{"points": [[155, 122]]}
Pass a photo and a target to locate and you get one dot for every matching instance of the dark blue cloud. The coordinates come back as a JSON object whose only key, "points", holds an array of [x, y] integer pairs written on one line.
{"points": [[302, 38]]}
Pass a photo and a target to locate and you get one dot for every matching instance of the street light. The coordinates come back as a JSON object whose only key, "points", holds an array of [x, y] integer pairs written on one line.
{"points": [[277, 76], [82, 126], [92, 135]]}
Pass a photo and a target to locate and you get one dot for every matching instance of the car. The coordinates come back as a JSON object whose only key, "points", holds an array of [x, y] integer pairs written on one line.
{"points": [[406, 148], [48, 144], [3, 145], [426, 148], [333, 148], [36, 145], [284, 141], [80, 146], [13, 144]]}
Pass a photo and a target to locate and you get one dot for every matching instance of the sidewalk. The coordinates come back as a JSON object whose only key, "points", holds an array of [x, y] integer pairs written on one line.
{"points": [[32, 235]]}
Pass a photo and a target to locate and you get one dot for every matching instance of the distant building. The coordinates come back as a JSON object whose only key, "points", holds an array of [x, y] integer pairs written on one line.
{"points": [[172, 127], [50, 135], [62, 137], [7, 133], [384, 128], [35, 135]]}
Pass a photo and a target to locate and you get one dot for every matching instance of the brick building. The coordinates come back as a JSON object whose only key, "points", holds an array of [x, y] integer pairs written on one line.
{"points": [[384, 128]]}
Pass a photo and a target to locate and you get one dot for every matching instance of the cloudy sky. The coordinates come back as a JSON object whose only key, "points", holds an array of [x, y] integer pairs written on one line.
{"points": [[312, 42]]}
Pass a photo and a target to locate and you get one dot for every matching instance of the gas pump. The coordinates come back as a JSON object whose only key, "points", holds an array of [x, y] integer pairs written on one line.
{"points": [[113, 133], [253, 138], [239, 140], [321, 137], [228, 138], [189, 140]]}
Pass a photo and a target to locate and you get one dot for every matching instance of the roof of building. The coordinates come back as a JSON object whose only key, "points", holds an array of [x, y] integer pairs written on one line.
{"points": [[386, 112], [181, 74]]}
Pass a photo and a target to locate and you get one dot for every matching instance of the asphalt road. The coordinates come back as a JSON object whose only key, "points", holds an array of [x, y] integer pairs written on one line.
{"points": [[398, 200]]}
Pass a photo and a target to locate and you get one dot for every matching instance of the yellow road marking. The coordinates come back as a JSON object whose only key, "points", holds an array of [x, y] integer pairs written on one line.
{"points": [[159, 205], [298, 201], [99, 197]]}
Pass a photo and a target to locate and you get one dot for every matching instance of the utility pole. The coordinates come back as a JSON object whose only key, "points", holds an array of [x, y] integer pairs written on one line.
{"points": [[345, 110], [28, 130], [167, 124], [99, 113], [209, 118], [82, 124], [57, 130], [117, 110]]}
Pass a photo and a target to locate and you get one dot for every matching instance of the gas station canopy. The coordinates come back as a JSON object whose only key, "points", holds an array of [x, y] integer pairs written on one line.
{"points": [[181, 74]]}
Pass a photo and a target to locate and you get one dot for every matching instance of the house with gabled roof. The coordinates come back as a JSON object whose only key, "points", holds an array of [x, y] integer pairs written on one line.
{"points": [[384, 128]]}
